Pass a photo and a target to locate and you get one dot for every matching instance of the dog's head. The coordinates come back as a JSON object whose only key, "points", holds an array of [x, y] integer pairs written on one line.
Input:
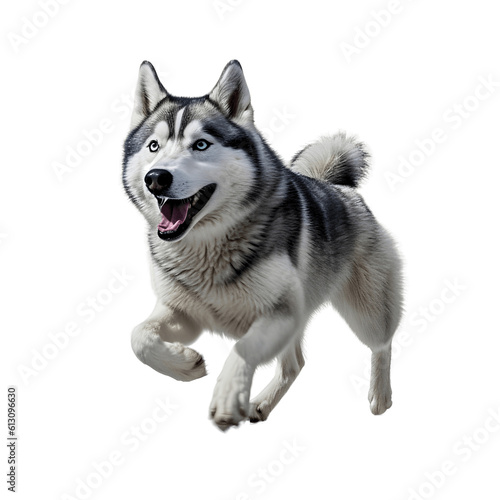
{"points": [[189, 160]]}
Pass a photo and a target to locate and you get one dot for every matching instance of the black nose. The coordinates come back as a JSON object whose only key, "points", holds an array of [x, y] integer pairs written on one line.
{"points": [[157, 179]]}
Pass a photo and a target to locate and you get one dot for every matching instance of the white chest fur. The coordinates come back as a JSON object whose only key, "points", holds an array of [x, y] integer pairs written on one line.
{"points": [[200, 280]]}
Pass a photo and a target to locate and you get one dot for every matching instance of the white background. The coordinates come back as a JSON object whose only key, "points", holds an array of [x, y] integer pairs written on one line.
{"points": [[63, 237]]}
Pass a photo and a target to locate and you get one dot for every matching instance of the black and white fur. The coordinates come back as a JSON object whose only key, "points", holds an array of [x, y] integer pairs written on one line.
{"points": [[269, 246]]}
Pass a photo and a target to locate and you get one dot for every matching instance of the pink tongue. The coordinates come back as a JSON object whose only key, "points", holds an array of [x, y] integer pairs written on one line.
{"points": [[173, 216]]}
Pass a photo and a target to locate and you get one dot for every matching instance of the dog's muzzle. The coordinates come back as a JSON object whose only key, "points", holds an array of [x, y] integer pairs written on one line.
{"points": [[176, 213]]}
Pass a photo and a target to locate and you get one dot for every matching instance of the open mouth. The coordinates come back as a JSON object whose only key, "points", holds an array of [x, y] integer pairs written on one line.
{"points": [[178, 214]]}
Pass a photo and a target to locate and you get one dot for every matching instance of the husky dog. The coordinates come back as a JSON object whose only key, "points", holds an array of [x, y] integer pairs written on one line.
{"points": [[247, 247]]}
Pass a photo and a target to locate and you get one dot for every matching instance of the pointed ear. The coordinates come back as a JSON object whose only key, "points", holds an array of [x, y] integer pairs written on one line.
{"points": [[231, 93], [148, 93]]}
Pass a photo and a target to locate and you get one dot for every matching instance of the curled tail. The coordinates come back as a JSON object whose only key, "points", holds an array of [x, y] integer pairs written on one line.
{"points": [[337, 159]]}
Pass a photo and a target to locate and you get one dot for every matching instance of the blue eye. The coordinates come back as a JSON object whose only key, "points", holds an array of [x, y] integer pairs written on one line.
{"points": [[201, 145], [153, 146]]}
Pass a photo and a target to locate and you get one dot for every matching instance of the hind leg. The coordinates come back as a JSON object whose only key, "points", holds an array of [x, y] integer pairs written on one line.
{"points": [[290, 362], [370, 302], [380, 391], [371, 331]]}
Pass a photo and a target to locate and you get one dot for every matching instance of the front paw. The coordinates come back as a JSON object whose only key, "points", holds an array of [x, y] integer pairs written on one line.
{"points": [[172, 359], [187, 363], [230, 403]]}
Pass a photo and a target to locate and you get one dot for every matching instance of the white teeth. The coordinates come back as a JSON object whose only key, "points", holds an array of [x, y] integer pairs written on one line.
{"points": [[192, 201]]}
